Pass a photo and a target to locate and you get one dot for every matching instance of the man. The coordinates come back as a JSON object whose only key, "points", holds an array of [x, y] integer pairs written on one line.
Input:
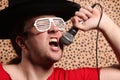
{"points": [[35, 28]]}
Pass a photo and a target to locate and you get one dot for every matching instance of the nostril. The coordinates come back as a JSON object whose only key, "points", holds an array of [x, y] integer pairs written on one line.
{"points": [[51, 31]]}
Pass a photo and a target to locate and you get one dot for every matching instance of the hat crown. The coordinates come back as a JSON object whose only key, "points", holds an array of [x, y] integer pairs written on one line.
{"points": [[15, 2]]}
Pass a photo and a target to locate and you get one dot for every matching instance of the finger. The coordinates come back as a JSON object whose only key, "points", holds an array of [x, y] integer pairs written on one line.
{"points": [[78, 22], [89, 8], [81, 15], [86, 11], [76, 19]]}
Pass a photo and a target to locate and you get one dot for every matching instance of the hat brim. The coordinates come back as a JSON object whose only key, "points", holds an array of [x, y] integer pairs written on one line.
{"points": [[12, 15]]}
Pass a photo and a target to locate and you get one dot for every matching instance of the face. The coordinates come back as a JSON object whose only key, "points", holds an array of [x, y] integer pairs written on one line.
{"points": [[42, 46]]}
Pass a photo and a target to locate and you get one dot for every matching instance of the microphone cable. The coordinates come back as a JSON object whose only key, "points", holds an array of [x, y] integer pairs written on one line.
{"points": [[97, 36]]}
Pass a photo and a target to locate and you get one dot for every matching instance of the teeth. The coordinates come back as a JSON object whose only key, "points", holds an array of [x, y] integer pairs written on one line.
{"points": [[53, 40]]}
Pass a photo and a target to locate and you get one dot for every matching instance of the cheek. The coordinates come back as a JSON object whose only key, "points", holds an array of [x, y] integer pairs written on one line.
{"points": [[37, 40], [42, 38], [61, 33]]}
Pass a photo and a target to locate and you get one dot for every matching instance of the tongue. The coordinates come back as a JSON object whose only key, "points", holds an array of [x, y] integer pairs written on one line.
{"points": [[54, 46]]}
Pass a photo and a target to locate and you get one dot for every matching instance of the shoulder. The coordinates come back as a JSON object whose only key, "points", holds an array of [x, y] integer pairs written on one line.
{"points": [[110, 73], [13, 71], [8, 68], [3, 74]]}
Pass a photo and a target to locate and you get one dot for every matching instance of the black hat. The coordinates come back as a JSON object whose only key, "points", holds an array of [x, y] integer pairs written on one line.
{"points": [[21, 10]]}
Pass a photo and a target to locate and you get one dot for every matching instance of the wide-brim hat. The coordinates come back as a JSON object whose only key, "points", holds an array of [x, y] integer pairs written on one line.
{"points": [[21, 10]]}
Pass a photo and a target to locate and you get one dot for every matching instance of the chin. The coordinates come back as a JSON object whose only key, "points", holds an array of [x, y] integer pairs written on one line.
{"points": [[56, 56]]}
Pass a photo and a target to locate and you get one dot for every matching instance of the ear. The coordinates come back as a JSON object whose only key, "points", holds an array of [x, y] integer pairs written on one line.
{"points": [[20, 41]]}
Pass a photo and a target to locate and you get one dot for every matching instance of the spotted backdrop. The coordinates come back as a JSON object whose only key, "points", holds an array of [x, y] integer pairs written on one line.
{"points": [[82, 52]]}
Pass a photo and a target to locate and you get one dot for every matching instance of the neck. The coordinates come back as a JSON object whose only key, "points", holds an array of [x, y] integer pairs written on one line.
{"points": [[35, 71]]}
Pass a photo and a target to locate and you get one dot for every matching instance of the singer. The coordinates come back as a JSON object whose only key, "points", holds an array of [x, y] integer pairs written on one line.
{"points": [[35, 28]]}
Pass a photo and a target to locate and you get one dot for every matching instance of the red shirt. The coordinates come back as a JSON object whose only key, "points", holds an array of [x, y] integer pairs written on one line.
{"points": [[3, 74], [61, 74]]}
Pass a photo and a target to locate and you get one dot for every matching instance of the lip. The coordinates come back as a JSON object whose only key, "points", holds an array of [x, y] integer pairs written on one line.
{"points": [[56, 49]]}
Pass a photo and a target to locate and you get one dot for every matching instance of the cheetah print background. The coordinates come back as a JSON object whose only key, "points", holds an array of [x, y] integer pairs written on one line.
{"points": [[82, 52]]}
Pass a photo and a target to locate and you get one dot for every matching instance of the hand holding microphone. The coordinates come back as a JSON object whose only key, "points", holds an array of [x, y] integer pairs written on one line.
{"points": [[68, 37]]}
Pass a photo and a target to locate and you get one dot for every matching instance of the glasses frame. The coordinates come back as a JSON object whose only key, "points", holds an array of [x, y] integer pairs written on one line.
{"points": [[51, 20]]}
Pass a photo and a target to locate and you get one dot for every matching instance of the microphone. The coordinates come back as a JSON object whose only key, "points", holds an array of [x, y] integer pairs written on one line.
{"points": [[67, 38]]}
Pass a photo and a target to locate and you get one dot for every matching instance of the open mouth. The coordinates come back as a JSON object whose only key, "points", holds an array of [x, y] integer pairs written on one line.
{"points": [[54, 42]]}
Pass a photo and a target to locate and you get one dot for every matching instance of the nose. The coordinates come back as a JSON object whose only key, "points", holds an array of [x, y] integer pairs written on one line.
{"points": [[53, 28]]}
